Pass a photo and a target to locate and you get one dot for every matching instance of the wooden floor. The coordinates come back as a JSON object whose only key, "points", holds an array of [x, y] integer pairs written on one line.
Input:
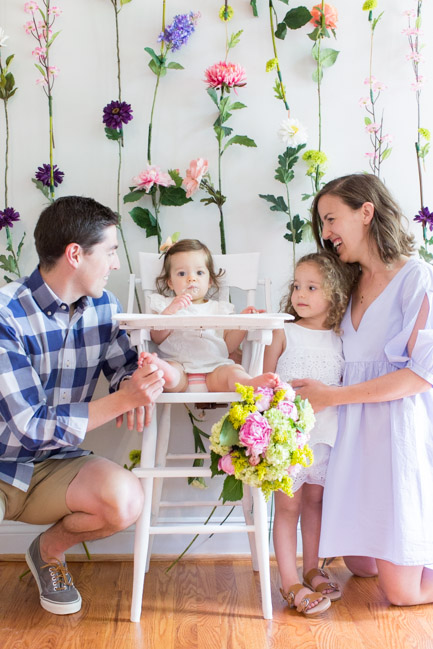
{"points": [[202, 604]]}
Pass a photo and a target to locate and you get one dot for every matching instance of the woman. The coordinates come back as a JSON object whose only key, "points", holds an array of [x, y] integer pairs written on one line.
{"points": [[378, 502]]}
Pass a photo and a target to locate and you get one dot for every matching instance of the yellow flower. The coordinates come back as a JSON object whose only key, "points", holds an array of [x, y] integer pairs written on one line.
{"points": [[369, 5], [425, 133], [316, 157], [226, 15], [271, 64]]}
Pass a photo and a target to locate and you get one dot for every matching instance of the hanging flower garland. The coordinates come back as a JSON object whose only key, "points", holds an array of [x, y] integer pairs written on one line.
{"points": [[163, 188], [324, 18], [8, 215], [422, 145], [223, 76], [291, 132], [115, 115], [380, 141], [40, 27]]}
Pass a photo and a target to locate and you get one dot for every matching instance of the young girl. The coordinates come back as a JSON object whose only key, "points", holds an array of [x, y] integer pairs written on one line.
{"points": [[188, 356], [309, 346]]}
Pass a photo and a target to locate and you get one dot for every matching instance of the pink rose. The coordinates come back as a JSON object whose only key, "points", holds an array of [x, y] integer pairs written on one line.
{"points": [[197, 169], [331, 16], [254, 460], [289, 409], [255, 434], [266, 395], [226, 464]]}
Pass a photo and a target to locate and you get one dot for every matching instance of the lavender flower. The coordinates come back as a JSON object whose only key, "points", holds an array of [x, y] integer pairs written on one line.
{"points": [[425, 217], [7, 217], [117, 113], [44, 175], [177, 34]]}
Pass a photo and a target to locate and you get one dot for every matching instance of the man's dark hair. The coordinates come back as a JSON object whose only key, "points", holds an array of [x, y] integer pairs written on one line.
{"points": [[71, 219]]}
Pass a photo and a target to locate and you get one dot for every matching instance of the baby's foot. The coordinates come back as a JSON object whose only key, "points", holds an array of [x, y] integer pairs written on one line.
{"points": [[170, 373], [267, 380]]}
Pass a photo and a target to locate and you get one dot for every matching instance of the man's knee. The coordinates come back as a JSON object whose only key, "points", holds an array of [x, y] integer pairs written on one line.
{"points": [[123, 500]]}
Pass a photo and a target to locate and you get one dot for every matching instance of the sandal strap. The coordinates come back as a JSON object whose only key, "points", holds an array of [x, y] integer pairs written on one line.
{"points": [[305, 601], [325, 585], [315, 572], [291, 594]]}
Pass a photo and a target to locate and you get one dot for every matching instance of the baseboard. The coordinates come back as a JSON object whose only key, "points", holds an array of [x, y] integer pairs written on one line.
{"points": [[16, 537]]}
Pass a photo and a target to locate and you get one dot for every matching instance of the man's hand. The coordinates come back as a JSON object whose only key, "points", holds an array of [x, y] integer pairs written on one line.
{"points": [[143, 388]]}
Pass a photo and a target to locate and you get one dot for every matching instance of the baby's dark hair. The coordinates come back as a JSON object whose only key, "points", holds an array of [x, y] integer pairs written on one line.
{"points": [[186, 245], [337, 281]]}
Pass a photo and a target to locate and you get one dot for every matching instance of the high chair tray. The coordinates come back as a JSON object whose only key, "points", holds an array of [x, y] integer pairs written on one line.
{"points": [[248, 321]]}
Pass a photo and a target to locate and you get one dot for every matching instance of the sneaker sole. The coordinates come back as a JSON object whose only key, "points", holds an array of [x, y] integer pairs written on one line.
{"points": [[48, 605]]}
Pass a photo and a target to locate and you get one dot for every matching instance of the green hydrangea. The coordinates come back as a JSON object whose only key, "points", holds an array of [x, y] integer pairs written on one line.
{"points": [[271, 64], [369, 5]]}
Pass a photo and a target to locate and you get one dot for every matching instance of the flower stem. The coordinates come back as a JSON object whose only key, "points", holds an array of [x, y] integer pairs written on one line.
{"points": [[220, 207], [274, 46], [190, 544], [291, 226]]}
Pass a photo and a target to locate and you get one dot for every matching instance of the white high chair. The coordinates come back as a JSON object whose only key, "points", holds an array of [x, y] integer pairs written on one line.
{"points": [[241, 271]]}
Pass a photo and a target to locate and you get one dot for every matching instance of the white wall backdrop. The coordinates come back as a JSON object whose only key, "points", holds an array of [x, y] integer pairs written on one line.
{"points": [[84, 51]]}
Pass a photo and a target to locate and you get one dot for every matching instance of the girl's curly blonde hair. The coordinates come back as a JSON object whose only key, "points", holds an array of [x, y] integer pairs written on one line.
{"points": [[337, 283], [186, 245]]}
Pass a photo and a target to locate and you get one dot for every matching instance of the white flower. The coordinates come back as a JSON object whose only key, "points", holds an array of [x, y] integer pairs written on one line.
{"points": [[3, 38], [292, 133]]}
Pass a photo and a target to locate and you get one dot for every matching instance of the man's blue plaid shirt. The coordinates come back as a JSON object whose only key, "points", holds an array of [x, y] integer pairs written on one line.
{"points": [[49, 367]]}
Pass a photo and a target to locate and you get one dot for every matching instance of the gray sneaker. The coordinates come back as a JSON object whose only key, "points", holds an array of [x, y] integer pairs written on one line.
{"points": [[56, 589]]}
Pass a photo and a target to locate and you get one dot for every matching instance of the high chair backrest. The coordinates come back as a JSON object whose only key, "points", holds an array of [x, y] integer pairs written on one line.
{"points": [[241, 271]]}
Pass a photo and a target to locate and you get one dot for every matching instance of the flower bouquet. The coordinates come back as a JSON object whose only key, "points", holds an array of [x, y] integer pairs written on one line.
{"points": [[262, 441]]}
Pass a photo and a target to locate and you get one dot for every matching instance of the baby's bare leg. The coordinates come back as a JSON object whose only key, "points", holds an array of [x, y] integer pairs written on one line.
{"points": [[225, 377], [174, 376]]}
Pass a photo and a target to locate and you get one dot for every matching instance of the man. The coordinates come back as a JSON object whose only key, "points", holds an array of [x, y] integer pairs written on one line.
{"points": [[56, 336]]}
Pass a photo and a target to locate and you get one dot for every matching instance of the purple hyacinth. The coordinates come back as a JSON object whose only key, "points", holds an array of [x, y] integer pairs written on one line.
{"points": [[117, 113], [425, 217], [43, 174], [8, 216], [177, 34]]}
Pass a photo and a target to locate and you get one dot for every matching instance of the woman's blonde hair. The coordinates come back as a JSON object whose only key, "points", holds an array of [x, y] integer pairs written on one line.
{"points": [[337, 283], [186, 245], [386, 227]]}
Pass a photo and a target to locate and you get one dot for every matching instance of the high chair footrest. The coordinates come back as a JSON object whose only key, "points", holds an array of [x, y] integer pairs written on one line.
{"points": [[173, 472], [227, 528]]}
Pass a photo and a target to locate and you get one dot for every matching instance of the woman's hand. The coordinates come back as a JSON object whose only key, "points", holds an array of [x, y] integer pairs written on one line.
{"points": [[318, 394]]}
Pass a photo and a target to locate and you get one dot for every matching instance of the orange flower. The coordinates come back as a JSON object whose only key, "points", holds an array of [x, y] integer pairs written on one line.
{"points": [[331, 16]]}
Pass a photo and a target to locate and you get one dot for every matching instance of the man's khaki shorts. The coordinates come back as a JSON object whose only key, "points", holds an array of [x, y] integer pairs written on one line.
{"points": [[45, 500]]}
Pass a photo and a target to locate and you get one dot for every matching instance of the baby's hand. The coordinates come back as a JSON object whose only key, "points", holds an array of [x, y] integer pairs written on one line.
{"points": [[179, 302], [252, 309]]}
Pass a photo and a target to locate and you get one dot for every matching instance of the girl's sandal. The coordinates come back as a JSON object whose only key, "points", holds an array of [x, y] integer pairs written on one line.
{"points": [[319, 608], [324, 585]]}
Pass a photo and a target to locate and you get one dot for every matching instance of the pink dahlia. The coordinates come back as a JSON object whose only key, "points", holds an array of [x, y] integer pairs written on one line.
{"points": [[151, 176], [331, 16], [197, 169], [225, 75]]}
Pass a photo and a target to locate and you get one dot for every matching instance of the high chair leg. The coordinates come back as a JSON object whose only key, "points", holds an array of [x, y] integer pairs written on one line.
{"points": [[247, 506], [141, 543], [260, 523]]}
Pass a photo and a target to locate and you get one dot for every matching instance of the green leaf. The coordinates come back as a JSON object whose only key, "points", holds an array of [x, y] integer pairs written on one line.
{"points": [[175, 66], [386, 153], [233, 489], [214, 459], [8, 264], [145, 220], [237, 105], [314, 35], [367, 121], [296, 227], [286, 2], [278, 203], [159, 70], [113, 133], [174, 175], [298, 17], [20, 245], [244, 140], [284, 175], [281, 31], [213, 95], [234, 39], [134, 196], [40, 68], [229, 436], [173, 196], [328, 57], [317, 75], [253, 4], [154, 56], [43, 188], [124, 2], [52, 39], [9, 60]]}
